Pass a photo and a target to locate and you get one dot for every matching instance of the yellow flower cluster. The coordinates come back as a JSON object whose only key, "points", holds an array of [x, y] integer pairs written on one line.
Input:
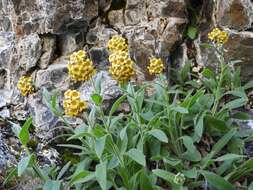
{"points": [[117, 43], [121, 67], [25, 85], [218, 36], [156, 66], [72, 104], [80, 68]]}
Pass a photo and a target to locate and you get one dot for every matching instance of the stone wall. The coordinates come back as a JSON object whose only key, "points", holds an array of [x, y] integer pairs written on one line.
{"points": [[38, 35]]}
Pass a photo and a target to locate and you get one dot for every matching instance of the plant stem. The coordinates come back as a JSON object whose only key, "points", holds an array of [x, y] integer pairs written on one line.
{"points": [[219, 86]]}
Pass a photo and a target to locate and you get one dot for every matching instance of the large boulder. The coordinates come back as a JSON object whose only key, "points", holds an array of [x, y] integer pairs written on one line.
{"points": [[234, 14]]}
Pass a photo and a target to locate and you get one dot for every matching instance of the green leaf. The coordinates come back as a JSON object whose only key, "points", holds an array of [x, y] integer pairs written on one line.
{"points": [[79, 135], [140, 98], [63, 170], [100, 145], [137, 156], [192, 154], [251, 186], [192, 32], [116, 104], [208, 74], [24, 133], [242, 170], [10, 176], [242, 116], [249, 85], [81, 177], [123, 133], [145, 183], [237, 103], [113, 163], [159, 134], [215, 123], [52, 185], [167, 176], [238, 92], [192, 173], [228, 157], [101, 175], [97, 99], [51, 101], [184, 72], [15, 128], [199, 127], [218, 146], [216, 181], [180, 109], [233, 62], [206, 45], [23, 164], [72, 146], [98, 80]]}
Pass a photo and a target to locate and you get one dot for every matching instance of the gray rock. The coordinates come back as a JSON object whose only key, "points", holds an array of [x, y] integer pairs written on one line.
{"points": [[7, 48], [234, 14], [19, 113], [166, 8], [29, 50], [54, 77], [69, 43], [5, 113], [43, 118], [3, 77], [43, 16], [100, 35], [29, 183], [91, 36], [99, 56], [48, 49], [4, 155], [155, 39], [109, 88], [135, 12], [2, 101], [240, 47]]}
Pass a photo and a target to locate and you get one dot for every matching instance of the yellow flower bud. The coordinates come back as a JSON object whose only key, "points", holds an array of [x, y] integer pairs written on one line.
{"points": [[25, 85], [155, 66], [121, 67], [218, 36], [72, 104], [79, 67], [117, 43]]}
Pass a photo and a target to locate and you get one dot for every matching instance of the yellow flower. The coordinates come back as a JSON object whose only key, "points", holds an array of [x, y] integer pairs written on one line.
{"points": [[72, 104], [223, 37], [117, 43], [79, 67], [77, 56], [155, 66], [121, 67], [218, 36], [214, 34], [25, 85]]}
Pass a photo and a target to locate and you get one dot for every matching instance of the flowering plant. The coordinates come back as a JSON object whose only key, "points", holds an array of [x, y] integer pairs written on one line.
{"points": [[172, 137]]}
